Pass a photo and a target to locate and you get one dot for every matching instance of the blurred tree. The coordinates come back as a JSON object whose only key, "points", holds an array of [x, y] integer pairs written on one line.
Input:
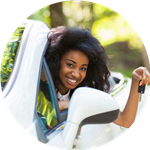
{"points": [[122, 58], [57, 16], [145, 60], [123, 45], [42, 15], [92, 18], [78, 13]]}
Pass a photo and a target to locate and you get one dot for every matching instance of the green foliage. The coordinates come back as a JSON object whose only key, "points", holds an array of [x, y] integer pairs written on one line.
{"points": [[125, 71], [10, 55], [78, 13], [110, 27], [45, 108], [106, 25], [122, 58], [101, 11], [42, 15]]}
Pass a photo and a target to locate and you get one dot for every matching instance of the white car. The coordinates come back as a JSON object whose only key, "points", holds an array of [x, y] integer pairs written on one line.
{"points": [[88, 121]]}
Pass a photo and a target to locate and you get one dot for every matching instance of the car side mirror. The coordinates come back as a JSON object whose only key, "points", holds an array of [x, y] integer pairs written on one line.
{"points": [[88, 106]]}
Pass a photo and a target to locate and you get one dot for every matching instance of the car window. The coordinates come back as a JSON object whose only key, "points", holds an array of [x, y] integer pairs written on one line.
{"points": [[112, 83], [9, 55], [46, 107]]}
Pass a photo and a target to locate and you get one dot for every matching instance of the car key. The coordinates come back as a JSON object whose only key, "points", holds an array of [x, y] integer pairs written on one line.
{"points": [[141, 90]]}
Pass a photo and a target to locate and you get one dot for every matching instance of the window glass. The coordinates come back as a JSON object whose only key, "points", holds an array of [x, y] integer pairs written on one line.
{"points": [[10, 55], [45, 104]]}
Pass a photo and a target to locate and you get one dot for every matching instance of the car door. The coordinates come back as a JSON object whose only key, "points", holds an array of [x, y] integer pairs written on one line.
{"points": [[22, 91], [47, 103], [36, 111]]}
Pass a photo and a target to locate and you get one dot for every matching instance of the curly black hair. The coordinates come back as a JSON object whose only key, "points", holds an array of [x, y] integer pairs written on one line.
{"points": [[62, 40]]}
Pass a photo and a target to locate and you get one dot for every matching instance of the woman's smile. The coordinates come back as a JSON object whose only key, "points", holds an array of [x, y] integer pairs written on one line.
{"points": [[71, 81], [73, 70]]}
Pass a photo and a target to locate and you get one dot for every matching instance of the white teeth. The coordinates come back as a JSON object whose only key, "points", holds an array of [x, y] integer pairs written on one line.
{"points": [[73, 81]]}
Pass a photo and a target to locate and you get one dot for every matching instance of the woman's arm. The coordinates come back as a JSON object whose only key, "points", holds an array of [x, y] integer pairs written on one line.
{"points": [[63, 105], [127, 117]]}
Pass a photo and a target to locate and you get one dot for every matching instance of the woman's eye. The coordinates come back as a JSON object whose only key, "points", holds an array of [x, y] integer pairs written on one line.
{"points": [[70, 65], [83, 69]]}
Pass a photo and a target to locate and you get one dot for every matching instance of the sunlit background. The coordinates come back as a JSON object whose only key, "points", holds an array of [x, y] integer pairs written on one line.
{"points": [[122, 44]]}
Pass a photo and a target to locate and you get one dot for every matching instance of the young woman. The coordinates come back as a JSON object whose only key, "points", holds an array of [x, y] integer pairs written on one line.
{"points": [[75, 58]]}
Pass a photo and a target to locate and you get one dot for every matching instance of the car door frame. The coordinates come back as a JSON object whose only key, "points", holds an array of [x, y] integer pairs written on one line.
{"points": [[61, 116]]}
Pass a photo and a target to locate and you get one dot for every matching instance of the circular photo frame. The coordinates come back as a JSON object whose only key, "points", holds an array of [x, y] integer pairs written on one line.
{"points": [[43, 106]]}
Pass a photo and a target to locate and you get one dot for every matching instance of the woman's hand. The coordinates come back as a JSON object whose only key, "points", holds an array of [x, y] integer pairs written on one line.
{"points": [[127, 116], [142, 74], [63, 105]]}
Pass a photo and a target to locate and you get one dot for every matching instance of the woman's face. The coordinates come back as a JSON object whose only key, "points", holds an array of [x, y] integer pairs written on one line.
{"points": [[73, 70]]}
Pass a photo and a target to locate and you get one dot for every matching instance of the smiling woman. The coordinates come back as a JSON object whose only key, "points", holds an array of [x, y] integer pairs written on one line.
{"points": [[73, 58], [76, 59], [73, 70]]}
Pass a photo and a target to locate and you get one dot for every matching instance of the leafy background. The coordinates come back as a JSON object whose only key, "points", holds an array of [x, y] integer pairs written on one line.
{"points": [[122, 44]]}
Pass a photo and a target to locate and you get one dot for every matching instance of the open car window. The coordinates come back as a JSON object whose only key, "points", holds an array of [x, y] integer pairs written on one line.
{"points": [[117, 82], [47, 103], [47, 106]]}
